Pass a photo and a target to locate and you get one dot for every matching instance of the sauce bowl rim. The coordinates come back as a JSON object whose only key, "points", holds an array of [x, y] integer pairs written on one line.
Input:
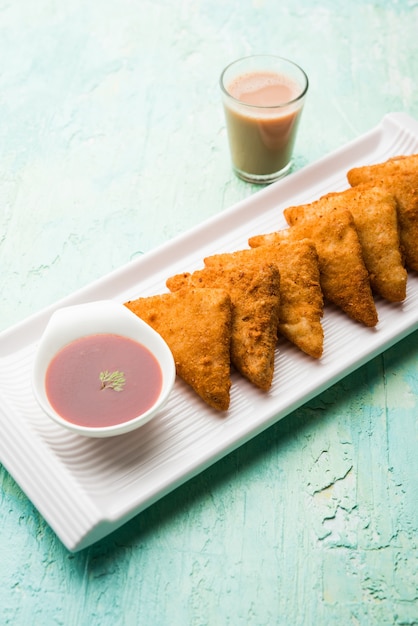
{"points": [[69, 323]]}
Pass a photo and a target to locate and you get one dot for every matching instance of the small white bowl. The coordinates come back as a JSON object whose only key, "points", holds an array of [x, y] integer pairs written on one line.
{"points": [[73, 322]]}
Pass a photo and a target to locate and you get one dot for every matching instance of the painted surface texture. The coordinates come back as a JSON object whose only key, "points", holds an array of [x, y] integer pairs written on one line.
{"points": [[112, 141]]}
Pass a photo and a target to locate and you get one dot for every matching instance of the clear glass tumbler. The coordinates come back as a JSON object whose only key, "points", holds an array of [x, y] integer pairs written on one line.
{"points": [[263, 98]]}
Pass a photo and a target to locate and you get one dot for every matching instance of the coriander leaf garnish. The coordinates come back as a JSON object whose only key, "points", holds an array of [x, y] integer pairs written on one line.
{"points": [[112, 380]]}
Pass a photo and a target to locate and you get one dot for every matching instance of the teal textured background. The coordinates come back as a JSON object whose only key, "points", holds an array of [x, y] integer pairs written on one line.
{"points": [[112, 141]]}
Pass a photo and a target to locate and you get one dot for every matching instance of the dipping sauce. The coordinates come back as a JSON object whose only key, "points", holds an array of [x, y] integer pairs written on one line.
{"points": [[103, 380]]}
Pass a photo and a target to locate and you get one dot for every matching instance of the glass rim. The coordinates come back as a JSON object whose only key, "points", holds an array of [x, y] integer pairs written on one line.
{"points": [[270, 106]]}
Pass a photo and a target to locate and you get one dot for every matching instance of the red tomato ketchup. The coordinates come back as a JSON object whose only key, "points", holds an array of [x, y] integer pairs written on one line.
{"points": [[103, 380]]}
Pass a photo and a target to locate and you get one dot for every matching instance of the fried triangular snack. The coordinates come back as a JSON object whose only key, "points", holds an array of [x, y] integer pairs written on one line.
{"points": [[402, 164], [375, 217], [196, 324], [254, 290], [344, 277], [400, 177], [301, 303]]}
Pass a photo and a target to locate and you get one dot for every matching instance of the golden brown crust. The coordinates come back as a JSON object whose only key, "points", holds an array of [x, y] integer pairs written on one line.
{"points": [[196, 324], [254, 290], [402, 164], [342, 246], [375, 216], [344, 277], [301, 303], [399, 176]]}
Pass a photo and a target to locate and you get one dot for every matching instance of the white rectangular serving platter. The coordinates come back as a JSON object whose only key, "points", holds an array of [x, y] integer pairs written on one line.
{"points": [[86, 488]]}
